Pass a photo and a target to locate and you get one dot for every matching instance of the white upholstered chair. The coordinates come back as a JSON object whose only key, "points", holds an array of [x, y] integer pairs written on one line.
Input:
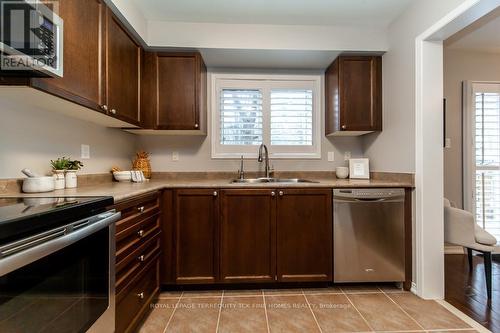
{"points": [[461, 229]]}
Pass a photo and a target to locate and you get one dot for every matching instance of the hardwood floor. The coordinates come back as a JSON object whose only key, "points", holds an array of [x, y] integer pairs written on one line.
{"points": [[467, 291]]}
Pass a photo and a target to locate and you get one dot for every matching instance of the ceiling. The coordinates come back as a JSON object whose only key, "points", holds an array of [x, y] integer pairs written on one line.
{"points": [[482, 35], [378, 13]]}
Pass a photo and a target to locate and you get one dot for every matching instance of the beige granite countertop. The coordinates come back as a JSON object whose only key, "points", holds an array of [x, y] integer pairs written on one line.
{"points": [[122, 191]]}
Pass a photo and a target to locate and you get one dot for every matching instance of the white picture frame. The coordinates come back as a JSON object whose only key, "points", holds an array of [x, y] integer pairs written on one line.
{"points": [[359, 168]]}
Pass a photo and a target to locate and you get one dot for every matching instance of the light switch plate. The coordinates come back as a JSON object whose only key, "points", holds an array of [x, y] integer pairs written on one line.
{"points": [[175, 156], [331, 156], [85, 152]]}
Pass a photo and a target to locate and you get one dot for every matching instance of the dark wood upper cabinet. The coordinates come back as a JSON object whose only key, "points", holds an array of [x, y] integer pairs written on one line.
{"points": [[247, 236], [174, 95], [83, 54], [123, 68], [304, 235], [196, 236], [353, 92]]}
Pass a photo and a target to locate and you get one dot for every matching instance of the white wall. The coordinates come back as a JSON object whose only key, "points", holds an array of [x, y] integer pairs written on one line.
{"points": [[393, 150], [195, 152], [461, 65], [31, 137]]}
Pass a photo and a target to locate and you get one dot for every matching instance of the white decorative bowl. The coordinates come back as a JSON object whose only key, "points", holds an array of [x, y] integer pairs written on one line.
{"points": [[342, 172], [122, 176], [38, 184]]}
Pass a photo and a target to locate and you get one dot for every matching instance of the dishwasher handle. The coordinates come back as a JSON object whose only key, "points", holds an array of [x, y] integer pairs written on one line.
{"points": [[398, 199]]}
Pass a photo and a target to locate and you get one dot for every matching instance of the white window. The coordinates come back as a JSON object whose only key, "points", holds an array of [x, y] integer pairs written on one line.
{"points": [[482, 182], [283, 112]]}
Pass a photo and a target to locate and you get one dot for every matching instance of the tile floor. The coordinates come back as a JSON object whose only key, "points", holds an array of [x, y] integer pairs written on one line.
{"points": [[357, 308]]}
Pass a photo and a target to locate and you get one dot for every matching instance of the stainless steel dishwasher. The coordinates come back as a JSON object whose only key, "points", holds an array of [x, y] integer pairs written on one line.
{"points": [[369, 235]]}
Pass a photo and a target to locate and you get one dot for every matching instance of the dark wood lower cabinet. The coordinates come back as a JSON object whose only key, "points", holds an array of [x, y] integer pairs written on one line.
{"points": [[304, 235], [196, 236], [247, 237]]}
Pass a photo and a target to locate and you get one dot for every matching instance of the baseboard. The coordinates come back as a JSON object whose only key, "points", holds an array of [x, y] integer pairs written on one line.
{"points": [[413, 288], [453, 249]]}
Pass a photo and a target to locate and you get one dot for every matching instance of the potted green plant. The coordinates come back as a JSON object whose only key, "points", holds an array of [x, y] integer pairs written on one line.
{"points": [[72, 168], [59, 167]]}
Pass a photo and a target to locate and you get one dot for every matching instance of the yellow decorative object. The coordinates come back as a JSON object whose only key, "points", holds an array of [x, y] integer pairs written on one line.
{"points": [[142, 163]]}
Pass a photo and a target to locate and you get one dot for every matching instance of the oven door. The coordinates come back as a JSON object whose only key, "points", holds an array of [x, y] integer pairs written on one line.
{"points": [[60, 282]]}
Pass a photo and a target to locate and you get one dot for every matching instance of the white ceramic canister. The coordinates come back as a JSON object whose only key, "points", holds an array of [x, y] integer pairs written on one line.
{"points": [[71, 179], [59, 182], [342, 172]]}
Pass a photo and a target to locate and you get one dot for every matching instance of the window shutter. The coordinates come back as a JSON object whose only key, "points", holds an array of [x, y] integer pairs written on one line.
{"points": [[487, 156], [291, 117], [240, 117]]}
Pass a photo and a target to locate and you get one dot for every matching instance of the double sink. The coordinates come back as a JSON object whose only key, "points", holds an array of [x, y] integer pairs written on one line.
{"points": [[271, 180]]}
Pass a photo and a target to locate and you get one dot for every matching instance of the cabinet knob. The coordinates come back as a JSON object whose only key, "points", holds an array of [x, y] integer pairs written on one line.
{"points": [[140, 209], [140, 295], [140, 233], [113, 111], [344, 127], [281, 193], [141, 258], [104, 107], [273, 193], [215, 193], [196, 125]]}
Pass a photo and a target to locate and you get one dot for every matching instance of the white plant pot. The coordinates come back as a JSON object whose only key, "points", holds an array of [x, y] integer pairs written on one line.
{"points": [[71, 179], [59, 181]]}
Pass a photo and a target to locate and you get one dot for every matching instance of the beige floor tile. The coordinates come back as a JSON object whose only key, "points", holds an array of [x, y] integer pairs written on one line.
{"points": [[195, 315], [290, 314], [427, 313], [202, 293], [252, 292], [336, 314], [360, 288], [320, 291], [158, 318], [294, 291], [382, 314], [243, 314], [170, 294]]}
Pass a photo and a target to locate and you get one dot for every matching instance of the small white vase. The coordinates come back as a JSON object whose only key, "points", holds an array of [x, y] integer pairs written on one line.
{"points": [[59, 181], [71, 179]]}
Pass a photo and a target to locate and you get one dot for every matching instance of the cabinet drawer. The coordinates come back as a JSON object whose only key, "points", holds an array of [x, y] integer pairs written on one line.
{"points": [[132, 210], [138, 259], [130, 238], [134, 301]]}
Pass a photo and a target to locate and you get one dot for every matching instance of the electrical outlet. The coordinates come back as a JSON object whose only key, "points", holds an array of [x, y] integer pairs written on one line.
{"points": [[85, 152], [447, 143], [347, 156], [331, 156], [175, 156]]}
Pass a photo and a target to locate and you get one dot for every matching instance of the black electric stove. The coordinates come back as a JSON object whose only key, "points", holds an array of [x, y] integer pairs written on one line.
{"points": [[22, 217]]}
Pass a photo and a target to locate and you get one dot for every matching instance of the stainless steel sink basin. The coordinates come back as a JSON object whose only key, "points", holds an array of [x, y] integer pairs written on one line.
{"points": [[271, 180]]}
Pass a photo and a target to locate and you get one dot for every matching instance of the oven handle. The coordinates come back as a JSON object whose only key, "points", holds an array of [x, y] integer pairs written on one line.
{"points": [[26, 257]]}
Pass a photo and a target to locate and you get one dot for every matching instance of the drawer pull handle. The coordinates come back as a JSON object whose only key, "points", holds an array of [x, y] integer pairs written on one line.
{"points": [[141, 209], [141, 258], [140, 295], [273, 193], [281, 193], [215, 193], [140, 233]]}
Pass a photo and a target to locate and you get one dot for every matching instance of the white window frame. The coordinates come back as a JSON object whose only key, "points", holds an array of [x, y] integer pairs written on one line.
{"points": [[265, 82], [469, 88]]}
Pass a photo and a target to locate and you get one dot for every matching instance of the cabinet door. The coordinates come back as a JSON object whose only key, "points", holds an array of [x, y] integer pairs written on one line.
{"points": [[181, 92], [83, 54], [304, 235], [123, 58], [248, 221], [196, 235], [360, 83]]}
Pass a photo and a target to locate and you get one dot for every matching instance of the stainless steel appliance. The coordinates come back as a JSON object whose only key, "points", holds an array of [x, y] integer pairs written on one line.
{"points": [[57, 265], [369, 235], [31, 38]]}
